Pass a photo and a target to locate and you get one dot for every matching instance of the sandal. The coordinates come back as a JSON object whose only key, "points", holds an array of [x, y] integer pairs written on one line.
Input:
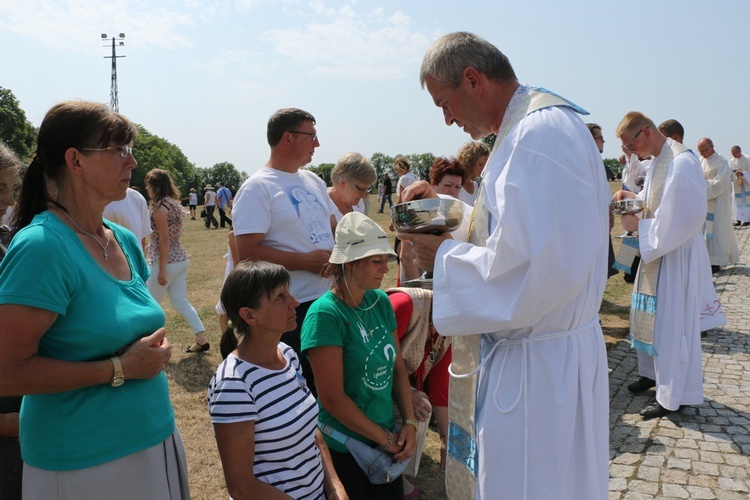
{"points": [[201, 348]]}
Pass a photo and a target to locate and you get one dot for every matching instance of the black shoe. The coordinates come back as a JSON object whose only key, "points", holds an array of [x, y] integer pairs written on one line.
{"points": [[655, 410], [642, 384], [715, 269], [198, 347]]}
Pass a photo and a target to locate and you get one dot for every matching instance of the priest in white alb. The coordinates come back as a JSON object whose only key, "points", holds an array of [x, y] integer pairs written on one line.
{"points": [[521, 299], [673, 284], [740, 186], [720, 239]]}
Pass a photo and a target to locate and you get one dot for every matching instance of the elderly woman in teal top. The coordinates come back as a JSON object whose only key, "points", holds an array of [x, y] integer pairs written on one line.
{"points": [[350, 337], [81, 335]]}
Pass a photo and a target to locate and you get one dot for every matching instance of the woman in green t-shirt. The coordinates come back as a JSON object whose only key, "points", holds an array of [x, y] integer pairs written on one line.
{"points": [[349, 335]]}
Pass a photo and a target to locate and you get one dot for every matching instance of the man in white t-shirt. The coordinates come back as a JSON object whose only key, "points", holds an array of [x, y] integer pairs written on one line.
{"points": [[132, 213], [284, 215]]}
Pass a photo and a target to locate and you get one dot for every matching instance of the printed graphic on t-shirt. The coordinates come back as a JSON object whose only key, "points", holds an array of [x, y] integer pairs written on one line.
{"points": [[311, 214], [379, 363]]}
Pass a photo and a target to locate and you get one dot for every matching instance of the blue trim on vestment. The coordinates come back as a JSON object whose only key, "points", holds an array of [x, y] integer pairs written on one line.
{"points": [[573, 105], [630, 241], [462, 447], [643, 302], [621, 267], [643, 347]]}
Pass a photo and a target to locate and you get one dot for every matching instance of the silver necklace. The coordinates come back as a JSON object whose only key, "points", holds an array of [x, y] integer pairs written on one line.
{"points": [[104, 247], [352, 296], [364, 328]]}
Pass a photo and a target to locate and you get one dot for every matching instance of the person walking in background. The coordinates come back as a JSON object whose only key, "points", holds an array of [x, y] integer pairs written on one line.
{"points": [[80, 335], [263, 413], [192, 202], [472, 157], [209, 204], [387, 193], [166, 255], [224, 202]]}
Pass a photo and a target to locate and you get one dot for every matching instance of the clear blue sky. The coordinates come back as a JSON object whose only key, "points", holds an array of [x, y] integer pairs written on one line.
{"points": [[206, 75]]}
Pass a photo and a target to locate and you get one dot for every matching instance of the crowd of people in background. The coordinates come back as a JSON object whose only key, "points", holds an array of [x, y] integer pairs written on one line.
{"points": [[328, 383]]}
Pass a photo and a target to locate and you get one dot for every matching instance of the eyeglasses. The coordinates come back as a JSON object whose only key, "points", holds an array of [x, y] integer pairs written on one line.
{"points": [[123, 151], [629, 147], [362, 191], [313, 135]]}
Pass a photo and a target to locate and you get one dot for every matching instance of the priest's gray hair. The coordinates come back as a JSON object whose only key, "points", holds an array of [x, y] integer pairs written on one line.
{"points": [[354, 168], [448, 56]]}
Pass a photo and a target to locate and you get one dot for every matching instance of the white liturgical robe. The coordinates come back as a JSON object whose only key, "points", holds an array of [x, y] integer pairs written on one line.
{"points": [[721, 241], [534, 290], [675, 234], [741, 188]]}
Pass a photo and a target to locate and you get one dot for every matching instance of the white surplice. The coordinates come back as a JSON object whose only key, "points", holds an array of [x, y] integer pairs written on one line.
{"points": [[675, 233], [722, 245], [741, 188], [535, 289]]}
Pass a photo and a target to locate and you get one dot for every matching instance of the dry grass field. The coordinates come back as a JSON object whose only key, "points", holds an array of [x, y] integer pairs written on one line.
{"points": [[189, 374]]}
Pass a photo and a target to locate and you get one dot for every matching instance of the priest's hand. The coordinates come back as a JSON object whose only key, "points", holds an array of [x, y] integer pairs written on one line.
{"points": [[622, 195], [417, 191], [629, 223], [425, 247]]}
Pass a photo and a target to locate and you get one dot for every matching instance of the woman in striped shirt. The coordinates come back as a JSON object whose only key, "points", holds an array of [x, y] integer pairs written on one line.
{"points": [[264, 416]]}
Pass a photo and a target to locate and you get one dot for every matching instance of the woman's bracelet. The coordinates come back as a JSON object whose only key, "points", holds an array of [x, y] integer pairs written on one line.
{"points": [[413, 423], [389, 442]]}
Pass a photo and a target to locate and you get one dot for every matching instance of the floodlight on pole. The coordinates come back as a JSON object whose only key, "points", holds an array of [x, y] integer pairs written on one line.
{"points": [[114, 102]]}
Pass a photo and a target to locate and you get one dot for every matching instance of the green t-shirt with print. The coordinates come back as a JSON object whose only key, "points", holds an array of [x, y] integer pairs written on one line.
{"points": [[369, 354]]}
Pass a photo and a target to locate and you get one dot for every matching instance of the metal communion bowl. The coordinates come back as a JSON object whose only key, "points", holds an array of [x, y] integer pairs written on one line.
{"points": [[627, 206], [430, 215]]}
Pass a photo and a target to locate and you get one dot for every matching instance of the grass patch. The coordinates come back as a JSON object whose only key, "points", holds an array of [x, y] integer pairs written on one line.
{"points": [[189, 374]]}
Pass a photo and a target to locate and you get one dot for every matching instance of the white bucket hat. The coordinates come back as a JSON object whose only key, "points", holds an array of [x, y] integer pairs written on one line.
{"points": [[357, 237]]}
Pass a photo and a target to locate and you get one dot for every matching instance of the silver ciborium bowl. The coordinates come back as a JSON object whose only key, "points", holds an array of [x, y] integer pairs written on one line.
{"points": [[628, 206], [430, 215]]}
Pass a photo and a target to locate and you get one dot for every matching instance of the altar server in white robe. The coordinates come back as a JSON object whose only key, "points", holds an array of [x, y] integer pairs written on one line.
{"points": [[669, 236], [740, 186], [720, 239], [531, 284]]}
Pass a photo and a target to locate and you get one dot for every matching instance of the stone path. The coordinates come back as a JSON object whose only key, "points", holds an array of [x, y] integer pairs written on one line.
{"points": [[702, 451]]}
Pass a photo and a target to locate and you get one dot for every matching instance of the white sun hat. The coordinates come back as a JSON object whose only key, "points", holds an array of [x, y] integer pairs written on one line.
{"points": [[357, 237]]}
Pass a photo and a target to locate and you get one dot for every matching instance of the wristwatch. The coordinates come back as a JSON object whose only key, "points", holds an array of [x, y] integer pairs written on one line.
{"points": [[119, 378]]}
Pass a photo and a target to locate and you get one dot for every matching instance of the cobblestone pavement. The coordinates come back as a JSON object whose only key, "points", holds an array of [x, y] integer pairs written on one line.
{"points": [[702, 451]]}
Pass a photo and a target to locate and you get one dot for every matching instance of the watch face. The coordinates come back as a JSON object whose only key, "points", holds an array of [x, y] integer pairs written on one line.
{"points": [[117, 382]]}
